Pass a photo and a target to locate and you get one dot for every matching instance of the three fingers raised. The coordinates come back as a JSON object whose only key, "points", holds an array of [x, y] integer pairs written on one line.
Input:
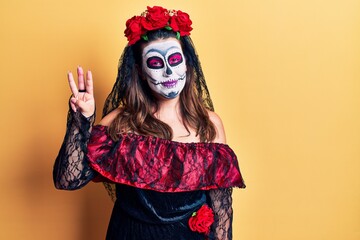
{"points": [[82, 92], [83, 85]]}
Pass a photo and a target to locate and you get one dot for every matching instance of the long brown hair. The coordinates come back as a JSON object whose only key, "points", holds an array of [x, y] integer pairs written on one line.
{"points": [[138, 105]]}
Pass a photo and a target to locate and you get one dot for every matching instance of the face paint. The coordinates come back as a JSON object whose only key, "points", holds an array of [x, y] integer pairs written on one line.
{"points": [[164, 67]]}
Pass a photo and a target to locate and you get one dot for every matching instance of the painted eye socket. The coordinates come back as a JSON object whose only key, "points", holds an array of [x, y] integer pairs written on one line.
{"points": [[175, 59], [155, 63]]}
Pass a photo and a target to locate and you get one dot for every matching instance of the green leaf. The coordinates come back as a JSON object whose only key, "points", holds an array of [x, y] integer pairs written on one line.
{"points": [[168, 27], [193, 214], [178, 35], [145, 37]]}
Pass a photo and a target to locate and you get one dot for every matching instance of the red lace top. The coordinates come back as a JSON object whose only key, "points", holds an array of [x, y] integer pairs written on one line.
{"points": [[162, 165]]}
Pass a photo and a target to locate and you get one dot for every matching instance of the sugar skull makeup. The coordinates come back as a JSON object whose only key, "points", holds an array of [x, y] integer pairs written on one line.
{"points": [[164, 67]]}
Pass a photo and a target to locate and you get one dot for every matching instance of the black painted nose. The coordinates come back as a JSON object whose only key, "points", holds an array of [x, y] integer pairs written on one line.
{"points": [[168, 71]]}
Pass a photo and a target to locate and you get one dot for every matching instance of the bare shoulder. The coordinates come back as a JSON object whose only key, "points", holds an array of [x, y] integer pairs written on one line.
{"points": [[108, 119], [220, 131]]}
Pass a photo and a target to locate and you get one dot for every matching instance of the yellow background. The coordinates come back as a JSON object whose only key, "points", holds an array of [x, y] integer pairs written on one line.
{"points": [[284, 76]]}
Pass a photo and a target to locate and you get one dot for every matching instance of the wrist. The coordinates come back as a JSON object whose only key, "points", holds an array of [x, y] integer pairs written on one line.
{"points": [[87, 114], [87, 118]]}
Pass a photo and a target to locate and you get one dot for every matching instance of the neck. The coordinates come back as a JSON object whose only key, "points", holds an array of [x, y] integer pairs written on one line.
{"points": [[168, 108]]}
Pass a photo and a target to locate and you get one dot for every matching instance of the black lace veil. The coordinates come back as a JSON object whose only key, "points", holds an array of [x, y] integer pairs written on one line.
{"points": [[126, 69]]}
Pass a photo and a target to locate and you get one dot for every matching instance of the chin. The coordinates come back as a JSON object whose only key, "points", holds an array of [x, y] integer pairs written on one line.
{"points": [[172, 95]]}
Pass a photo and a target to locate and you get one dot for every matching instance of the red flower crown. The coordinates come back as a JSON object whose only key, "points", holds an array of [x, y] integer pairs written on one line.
{"points": [[157, 18]]}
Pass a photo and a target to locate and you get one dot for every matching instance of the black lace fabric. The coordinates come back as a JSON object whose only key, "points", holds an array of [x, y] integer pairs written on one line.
{"points": [[71, 170], [220, 200]]}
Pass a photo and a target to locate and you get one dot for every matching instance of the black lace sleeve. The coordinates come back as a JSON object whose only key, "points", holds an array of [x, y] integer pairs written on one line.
{"points": [[220, 200], [71, 170]]}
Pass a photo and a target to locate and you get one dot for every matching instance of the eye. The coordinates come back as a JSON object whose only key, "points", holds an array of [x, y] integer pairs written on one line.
{"points": [[175, 59], [155, 63]]}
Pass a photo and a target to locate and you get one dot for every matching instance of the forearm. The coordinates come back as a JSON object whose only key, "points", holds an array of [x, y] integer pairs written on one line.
{"points": [[71, 170], [220, 200]]}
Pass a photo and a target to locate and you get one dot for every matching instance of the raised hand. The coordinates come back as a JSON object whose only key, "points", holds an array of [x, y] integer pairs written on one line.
{"points": [[82, 98]]}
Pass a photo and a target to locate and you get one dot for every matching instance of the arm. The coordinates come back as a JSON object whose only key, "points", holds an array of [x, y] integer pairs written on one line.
{"points": [[220, 200], [219, 127], [71, 170]]}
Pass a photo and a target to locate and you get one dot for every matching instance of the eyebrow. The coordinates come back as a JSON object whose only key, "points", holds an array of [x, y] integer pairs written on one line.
{"points": [[161, 52]]}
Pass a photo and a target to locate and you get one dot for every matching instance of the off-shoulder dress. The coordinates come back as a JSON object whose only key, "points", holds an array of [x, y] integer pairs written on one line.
{"points": [[159, 183]]}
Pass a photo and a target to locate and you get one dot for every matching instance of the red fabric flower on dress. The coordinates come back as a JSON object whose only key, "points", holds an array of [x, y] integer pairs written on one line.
{"points": [[201, 220]]}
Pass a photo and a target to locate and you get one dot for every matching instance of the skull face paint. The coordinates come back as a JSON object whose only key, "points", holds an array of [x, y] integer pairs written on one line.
{"points": [[164, 67]]}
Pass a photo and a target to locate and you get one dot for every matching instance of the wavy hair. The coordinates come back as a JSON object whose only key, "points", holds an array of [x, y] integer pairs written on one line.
{"points": [[137, 103]]}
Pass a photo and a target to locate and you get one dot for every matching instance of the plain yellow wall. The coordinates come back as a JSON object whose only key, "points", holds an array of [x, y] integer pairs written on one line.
{"points": [[284, 76]]}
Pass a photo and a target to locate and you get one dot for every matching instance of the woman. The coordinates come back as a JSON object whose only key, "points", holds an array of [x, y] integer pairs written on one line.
{"points": [[160, 149]]}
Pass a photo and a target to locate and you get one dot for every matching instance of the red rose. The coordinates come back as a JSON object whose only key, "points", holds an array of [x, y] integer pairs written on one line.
{"points": [[181, 22], [134, 29], [156, 18], [201, 220]]}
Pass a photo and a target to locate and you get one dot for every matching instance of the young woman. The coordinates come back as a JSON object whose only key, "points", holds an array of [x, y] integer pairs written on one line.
{"points": [[159, 149]]}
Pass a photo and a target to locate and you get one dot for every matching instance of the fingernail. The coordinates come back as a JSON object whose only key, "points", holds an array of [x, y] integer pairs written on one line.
{"points": [[79, 70]]}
